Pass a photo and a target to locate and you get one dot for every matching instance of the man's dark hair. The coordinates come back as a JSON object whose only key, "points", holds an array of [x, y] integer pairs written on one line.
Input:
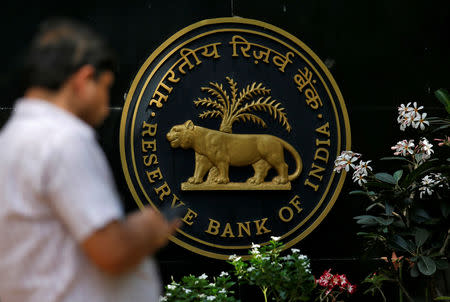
{"points": [[59, 49]]}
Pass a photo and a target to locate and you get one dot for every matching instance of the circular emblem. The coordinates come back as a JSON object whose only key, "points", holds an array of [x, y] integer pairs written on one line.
{"points": [[234, 124]]}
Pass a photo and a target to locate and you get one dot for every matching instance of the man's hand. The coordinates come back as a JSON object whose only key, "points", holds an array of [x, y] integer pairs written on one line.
{"points": [[121, 245]]}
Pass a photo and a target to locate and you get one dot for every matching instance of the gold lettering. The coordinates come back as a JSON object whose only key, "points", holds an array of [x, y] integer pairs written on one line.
{"points": [[150, 144], [296, 203], [260, 226], [213, 227], [190, 215], [172, 78], [266, 55], [152, 175], [323, 158], [240, 40], [213, 52], [282, 216], [151, 129], [164, 189], [174, 202], [317, 169], [308, 183], [227, 231], [282, 61], [184, 54], [312, 98], [324, 129], [161, 96], [150, 160], [319, 142], [303, 79], [245, 228]]}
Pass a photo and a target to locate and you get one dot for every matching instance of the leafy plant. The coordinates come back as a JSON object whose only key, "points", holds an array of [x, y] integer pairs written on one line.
{"points": [[408, 206], [284, 278], [193, 288]]}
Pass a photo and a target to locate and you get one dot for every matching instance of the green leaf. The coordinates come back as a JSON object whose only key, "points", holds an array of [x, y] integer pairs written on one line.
{"points": [[441, 264], [445, 209], [385, 177], [403, 244], [426, 265], [414, 272], [441, 128], [373, 220], [444, 97], [394, 158], [360, 192], [442, 298], [397, 175], [389, 209], [421, 236]]}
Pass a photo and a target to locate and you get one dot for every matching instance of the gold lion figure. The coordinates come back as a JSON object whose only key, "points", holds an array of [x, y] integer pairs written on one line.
{"points": [[219, 149]]}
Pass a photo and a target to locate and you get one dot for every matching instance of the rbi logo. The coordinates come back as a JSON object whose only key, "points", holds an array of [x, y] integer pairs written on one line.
{"points": [[235, 123]]}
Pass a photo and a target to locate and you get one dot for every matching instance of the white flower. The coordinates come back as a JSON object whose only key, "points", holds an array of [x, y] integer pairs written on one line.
{"points": [[419, 120], [201, 295], [415, 109], [363, 167], [359, 178], [212, 285], [162, 299], [234, 258], [295, 251], [250, 269], [171, 287], [430, 181], [210, 298], [224, 274], [345, 161], [403, 147], [402, 110], [275, 238], [186, 290], [204, 276], [255, 252], [223, 291], [255, 246]]}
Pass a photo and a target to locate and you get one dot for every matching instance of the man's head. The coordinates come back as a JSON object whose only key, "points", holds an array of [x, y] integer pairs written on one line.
{"points": [[69, 61]]}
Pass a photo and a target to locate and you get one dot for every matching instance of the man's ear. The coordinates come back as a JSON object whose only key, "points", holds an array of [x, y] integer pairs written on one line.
{"points": [[189, 125], [82, 77]]}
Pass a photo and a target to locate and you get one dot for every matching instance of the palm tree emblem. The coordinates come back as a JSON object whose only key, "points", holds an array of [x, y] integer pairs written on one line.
{"points": [[254, 97]]}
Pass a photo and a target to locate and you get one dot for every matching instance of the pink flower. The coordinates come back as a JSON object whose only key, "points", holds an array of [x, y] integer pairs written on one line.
{"points": [[404, 147], [351, 288], [443, 142]]}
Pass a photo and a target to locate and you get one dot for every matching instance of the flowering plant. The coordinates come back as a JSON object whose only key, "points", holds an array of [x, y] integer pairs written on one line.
{"points": [[408, 210], [332, 286], [192, 288], [284, 278]]}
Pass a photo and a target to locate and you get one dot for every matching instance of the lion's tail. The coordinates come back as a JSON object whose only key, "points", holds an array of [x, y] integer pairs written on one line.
{"points": [[298, 160]]}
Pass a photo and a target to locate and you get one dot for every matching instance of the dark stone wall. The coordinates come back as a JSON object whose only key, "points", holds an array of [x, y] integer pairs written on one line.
{"points": [[380, 53]]}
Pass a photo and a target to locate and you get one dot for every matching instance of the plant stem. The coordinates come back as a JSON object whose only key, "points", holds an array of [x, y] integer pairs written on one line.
{"points": [[405, 292], [264, 290], [400, 282], [382, 294]]}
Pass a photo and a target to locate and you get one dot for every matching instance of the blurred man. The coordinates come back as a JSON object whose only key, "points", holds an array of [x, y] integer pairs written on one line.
{"points": [[63, 233]]}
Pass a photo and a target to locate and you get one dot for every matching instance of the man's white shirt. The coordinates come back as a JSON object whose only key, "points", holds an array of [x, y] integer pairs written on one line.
{"points": [[56, 189]]}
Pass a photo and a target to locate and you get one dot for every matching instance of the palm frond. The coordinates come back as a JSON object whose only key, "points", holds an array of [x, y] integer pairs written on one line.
{"points": [[234, 90], [219, 87], [210, 113], [218, 93], [267, 105], [253, 90], [208, 102], [250, 117]]}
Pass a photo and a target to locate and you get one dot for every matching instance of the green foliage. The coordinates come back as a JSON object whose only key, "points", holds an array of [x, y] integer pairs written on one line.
{"points": [[284, 278], [193, 288]]}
